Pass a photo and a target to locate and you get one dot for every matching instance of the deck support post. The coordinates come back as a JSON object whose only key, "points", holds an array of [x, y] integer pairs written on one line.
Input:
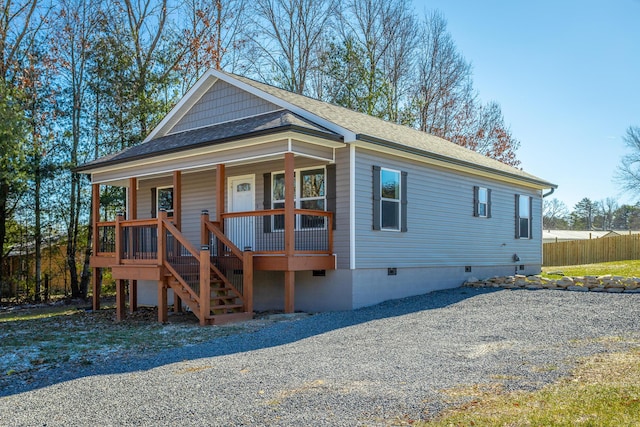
{"points": [[289, 230], [289, 291], [96, 288], [133, 296], [247, 280], [95, 218], [120, 297], [163, 314]]}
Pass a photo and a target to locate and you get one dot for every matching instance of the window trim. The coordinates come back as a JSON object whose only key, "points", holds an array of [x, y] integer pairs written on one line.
{"points": [[297, 196], [378, 199], [386, 199], [170, 212], [477, 190], [528, 215]]}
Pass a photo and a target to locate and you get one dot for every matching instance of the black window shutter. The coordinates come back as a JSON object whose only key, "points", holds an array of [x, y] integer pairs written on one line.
{"points": [[517, 216], [331, 191], [154, 200], [530, 217], [376, 198], [403, 201], [488, 203], [476, 191], [266, 220]]}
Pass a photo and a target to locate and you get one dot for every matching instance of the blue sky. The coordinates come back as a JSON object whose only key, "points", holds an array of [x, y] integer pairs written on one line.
{"points": [[567, 76]]}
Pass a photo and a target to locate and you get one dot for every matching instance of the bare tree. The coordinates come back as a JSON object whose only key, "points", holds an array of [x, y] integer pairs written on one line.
{"points": [[443, 100], [383, 33], [628, 173], [555, 214], [214, 35], [287, 35]]}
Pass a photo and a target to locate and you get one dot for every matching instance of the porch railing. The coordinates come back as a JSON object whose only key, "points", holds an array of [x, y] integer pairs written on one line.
{"points": [[106, 238], [263, 231]]}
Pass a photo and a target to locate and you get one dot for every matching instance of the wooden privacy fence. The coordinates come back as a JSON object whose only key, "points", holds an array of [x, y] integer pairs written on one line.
{"points": [[604, 249]]}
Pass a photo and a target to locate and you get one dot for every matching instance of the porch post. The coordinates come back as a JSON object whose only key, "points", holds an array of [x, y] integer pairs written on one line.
{"points": [[95, 218], [162, 301], [133, 214], [289, 230], [177, 199], [220, 190]]}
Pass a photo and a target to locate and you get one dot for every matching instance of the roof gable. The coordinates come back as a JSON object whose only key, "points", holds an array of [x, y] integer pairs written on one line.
{"points": [[221, 103]]}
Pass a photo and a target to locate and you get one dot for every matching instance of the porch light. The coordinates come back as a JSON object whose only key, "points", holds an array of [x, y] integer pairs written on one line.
{"points": [[516, 258]]}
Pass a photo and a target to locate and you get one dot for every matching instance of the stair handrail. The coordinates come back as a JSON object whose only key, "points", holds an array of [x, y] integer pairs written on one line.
{"points": [[246, 258], [164, 223]]}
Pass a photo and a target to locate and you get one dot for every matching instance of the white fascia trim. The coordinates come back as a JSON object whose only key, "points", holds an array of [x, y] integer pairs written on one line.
{"points": [[352, 207], [348, 135], [192, 96]]}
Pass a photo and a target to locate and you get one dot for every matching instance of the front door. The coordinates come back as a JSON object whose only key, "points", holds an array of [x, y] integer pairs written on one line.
{"points": [[242, 230]]}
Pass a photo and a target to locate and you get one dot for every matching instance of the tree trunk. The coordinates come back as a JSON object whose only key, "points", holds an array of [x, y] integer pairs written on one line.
{"points": [[37, 232]]}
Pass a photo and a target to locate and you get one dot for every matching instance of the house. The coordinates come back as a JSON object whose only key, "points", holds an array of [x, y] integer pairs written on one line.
{"points": [[248, 197]]}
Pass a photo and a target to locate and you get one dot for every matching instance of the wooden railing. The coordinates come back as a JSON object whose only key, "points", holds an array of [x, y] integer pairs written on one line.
{"points": [[105, 239], [228, 262], [263, 232]]}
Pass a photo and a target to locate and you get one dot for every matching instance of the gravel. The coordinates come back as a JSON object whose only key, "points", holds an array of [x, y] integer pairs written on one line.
{"points": [[383, 365]]}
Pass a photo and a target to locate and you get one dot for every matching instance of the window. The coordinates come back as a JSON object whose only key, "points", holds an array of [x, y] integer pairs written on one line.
{"points": [[481, 202], [389, 199], [165, 200], [309, 193], [523, 217]]}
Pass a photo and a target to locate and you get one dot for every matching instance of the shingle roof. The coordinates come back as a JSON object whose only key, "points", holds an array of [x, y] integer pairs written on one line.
{"points": [[277, 121], [367, 126], [363, 126]]}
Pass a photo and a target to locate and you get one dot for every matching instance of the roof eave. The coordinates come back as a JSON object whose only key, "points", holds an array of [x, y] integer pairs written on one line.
{"points": [[266, 132], [438, 157]]}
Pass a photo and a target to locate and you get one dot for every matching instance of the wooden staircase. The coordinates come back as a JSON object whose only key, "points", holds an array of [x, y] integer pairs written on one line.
{"points": [[225, 304]]}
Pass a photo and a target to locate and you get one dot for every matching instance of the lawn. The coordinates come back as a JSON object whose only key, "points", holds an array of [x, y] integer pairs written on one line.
{"points": [[629, 268], [603, 391]]}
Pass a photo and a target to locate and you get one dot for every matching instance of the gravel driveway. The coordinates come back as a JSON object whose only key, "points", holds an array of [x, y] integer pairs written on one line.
{"points": [[374, 366]]}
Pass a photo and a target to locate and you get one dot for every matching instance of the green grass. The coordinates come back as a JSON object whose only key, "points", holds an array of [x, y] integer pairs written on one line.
{"points": [[630, 268], [603, 391]]}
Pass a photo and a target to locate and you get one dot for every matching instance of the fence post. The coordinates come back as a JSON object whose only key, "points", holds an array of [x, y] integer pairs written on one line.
{"points": [[205, 284]]}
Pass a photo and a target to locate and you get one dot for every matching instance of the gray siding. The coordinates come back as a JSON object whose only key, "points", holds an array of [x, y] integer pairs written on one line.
{"points": [[442, 230], [341, 235], [222, 103]]}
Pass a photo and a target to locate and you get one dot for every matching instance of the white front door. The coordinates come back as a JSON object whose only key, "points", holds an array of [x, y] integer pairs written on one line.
{"points": [[242, 230]]}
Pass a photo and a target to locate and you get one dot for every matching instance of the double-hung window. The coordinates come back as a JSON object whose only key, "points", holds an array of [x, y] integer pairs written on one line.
{"points": [[481, 202], [309, 190], [162, 199], [389, 199], [523, 217]]}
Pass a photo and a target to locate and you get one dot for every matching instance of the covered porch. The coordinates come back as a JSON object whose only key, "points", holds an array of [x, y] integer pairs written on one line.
{"points": [[213, 273]]}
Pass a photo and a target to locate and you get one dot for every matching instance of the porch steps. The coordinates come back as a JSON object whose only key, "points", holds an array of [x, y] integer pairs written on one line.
{"points": [[225, 306]]}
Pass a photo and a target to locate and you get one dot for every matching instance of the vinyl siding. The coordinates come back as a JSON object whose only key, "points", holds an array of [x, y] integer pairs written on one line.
{"points": [[222, 103], [442, 230], [199, 192], [341, 233]]}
